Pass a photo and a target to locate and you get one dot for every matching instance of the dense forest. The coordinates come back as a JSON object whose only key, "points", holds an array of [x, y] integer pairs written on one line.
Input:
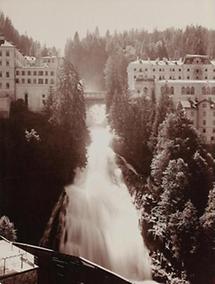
{"points": [[90, 54], [24, 43]]}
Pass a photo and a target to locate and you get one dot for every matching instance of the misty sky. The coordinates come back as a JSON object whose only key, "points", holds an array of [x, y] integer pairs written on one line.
{"points": [[53, 21]]}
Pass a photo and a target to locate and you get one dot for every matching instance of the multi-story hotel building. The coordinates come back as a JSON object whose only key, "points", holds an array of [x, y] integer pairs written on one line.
{"points": [[190, 81], [26, 78]]}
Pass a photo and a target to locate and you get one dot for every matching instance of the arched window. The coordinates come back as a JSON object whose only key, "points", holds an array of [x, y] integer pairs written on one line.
{"points": [[188, 90], [192, 91], [203, 90], [172, 90], [183, 90]]}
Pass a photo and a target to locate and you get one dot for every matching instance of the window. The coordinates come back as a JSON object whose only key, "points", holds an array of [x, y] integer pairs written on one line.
{"points": [[35, 73], [179, 70], [0, 85], [0, 53], [17, 72], [160, 70], [23, 73], [183, 90], [29, 81], [179, 77], [29, 73], [206, 77], [140, 70], [192, 91], [170, 77], [203, 90], [43, 95], [212, 138], [46, 81], [46, 73], [52, 72], [153, 70], [7, 63], [40, 81], [0, 63], [213, 130], [40, 73], [17, 81], [204, 130], [135, 76], [204, 122], [26, 99], [7, 74], [188, 77], [0, 74], [7, 86], [172, 90], [188, 90], [206, 70], [188, 70], [23, 81], [7, 53], [145, 90]]}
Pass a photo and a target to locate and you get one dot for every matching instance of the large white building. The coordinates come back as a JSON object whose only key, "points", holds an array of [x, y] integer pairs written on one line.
{"points": [[25, 78], [190, 81]]}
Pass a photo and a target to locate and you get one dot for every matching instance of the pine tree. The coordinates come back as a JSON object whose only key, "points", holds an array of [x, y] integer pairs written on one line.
{"points": [[68, 111]]}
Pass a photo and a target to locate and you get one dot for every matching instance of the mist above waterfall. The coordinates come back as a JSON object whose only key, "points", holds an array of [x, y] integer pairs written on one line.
{"points": [[101, 222]]}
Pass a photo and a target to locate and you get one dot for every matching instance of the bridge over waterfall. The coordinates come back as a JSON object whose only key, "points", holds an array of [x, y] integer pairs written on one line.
{"points": [[94, 97]]}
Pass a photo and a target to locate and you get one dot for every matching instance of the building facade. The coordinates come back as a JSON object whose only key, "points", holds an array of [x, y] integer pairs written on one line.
{"points": [[190, 81], [26, 78]]}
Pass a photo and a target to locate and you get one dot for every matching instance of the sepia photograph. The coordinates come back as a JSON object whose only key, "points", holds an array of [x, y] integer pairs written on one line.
{"points": [[107, 142]]}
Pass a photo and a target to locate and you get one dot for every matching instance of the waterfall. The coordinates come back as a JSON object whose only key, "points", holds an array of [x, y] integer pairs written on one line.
{"points": [[101, 222]]}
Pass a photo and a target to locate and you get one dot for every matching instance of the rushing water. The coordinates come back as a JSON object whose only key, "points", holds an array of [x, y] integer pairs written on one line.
{"points": [[101, 222]]}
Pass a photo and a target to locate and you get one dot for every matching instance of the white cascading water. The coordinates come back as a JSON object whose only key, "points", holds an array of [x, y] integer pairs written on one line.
{"points": [[101, 222]]}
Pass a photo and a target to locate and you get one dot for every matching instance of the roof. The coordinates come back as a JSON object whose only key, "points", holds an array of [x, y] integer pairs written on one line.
{"points": [[156, 62], [185, 104], [187, 81], [13, 259], [6, 44]]}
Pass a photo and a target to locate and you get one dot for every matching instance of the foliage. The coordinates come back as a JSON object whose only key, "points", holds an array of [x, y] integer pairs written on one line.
{"points": [[131, 120], [7, 229], [68, 112]]}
